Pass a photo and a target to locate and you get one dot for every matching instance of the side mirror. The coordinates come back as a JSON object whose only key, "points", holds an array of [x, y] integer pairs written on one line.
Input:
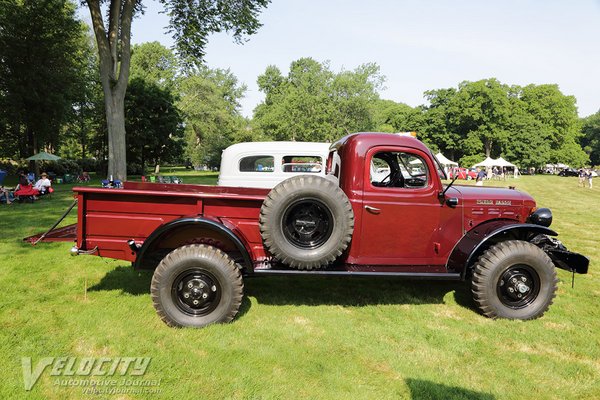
{"points": [[452, 201]]}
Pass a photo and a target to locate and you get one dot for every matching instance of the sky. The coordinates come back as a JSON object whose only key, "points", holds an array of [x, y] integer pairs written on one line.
{"points": [[419, 45]]}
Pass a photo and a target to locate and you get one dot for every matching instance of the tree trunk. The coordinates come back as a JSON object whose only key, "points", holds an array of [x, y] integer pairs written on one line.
{"points": [[115, 119], [488, 147], [114, 75]]}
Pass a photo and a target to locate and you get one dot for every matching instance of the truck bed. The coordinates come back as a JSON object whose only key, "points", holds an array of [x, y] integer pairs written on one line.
{"points": [[109, 218]]}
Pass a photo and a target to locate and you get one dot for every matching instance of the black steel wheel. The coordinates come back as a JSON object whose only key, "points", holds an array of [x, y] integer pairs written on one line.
{"points": [[306, 222], [196, 285], [515, 280]]}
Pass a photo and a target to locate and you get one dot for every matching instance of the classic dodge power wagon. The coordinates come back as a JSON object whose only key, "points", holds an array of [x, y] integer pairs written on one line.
{"points": [[201, 241]]}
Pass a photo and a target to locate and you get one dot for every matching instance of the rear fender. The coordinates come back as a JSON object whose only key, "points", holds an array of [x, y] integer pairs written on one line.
{"points": [[186, 231], [485, 235]]}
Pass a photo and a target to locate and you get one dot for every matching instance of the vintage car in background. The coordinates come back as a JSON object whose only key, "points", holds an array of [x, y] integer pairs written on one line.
{"points": [[265, 164]]}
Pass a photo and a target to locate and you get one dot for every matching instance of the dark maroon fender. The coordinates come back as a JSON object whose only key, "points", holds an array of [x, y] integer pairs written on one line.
{"points": [[210, 225], [480, 238]]}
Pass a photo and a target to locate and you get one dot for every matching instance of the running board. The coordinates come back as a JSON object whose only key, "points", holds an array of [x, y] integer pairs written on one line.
{"points": [[408, 275]]}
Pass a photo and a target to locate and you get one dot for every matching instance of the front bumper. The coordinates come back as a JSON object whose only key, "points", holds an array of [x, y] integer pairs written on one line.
{"points": [[573, 262], [561, 257]]}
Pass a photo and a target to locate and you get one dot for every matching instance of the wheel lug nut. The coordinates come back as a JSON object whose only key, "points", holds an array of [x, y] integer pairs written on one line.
{"points": [[204, 296], [186, 295], [524, 279], [511, 289], [519, 295], [213, 288], [514, 280], [190, 285], [195, 302], [201, 285]]}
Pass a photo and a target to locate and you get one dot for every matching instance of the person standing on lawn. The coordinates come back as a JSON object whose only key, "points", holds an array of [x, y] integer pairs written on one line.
{"points": [[481, 175], [589, 178], [582, 176]]}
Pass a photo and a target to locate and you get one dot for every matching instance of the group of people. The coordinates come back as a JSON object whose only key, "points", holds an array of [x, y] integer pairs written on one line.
{"points": [[585, 174], [27, 189]]}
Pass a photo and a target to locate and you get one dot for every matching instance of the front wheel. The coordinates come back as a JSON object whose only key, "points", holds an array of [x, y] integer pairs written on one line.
{"points": [[514, 280], [196, 285]]}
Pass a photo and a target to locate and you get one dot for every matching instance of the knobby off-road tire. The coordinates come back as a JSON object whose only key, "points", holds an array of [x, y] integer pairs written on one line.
{"points": [[514, 280], [306, 222], [196, 285]]}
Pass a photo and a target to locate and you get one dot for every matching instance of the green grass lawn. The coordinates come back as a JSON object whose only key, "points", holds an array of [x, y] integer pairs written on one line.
{"points": [[323, 338]]}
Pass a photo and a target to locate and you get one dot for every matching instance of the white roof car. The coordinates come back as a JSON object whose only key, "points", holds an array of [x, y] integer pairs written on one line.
{"points": [[265, 164]]}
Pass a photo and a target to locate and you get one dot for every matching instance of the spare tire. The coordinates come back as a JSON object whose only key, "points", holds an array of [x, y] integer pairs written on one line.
{"points": [[306, 222]]}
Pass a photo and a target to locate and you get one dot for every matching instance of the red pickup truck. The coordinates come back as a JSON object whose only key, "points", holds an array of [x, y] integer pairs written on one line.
{"points": [[202, 241]]}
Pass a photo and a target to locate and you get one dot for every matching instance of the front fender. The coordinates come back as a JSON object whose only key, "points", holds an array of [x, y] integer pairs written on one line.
{"points": [[480, 238]]}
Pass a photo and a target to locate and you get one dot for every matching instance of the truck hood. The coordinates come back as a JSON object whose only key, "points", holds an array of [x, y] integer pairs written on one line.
{"points": [[485, 203]]}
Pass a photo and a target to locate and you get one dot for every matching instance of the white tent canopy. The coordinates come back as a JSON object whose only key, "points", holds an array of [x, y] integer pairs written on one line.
{"points": [[488, 162], [445, 161], [503, 163]]}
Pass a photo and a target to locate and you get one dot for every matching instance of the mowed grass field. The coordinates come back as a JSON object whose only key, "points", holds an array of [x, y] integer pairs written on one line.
{"points": [[313, 337]]}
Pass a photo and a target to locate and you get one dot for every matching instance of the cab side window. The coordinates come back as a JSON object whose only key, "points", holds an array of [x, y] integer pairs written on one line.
{"points": [[257, 164], [398, 170]]}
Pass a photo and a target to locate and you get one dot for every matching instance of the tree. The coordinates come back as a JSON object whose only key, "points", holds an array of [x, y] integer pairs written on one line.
{"points": [[590, 140], [154, 63], [154, 125], [437, 130], [209, 101], [315, 104], [191, 22], [480, 110], [390, 116], [40, 58], [556, 114]]}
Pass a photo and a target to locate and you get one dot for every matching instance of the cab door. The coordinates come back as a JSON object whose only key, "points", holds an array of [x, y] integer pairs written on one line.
{"points": [[400, 213]]}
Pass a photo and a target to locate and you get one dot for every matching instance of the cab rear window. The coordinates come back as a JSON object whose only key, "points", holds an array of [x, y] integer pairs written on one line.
{"points": [[305, 164]]}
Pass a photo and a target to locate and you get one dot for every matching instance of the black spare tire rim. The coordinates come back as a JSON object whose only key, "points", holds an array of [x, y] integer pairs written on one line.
{"points": [[196, 292], [518, 286], [307, 223]]}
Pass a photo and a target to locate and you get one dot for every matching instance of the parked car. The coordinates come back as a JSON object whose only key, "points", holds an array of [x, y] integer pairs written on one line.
{"points": [[265, 164], [463, 173], [569, 172]]}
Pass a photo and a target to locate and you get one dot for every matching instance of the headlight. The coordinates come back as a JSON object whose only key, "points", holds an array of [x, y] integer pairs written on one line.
{"points": [[542, 216]]}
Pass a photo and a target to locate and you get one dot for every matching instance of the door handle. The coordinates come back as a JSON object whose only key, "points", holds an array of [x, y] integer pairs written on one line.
{"points": [[372, 210]]}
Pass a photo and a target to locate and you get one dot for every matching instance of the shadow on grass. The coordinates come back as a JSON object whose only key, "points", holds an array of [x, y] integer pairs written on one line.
{"points": [[421, 390], [136, 283], [312, 290], [352, 291], [125, 279]]}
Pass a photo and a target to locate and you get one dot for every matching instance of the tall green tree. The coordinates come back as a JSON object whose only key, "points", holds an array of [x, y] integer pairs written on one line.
{"points": [[480, 111], [590, 141], [210, 103], [40, 72], [191, 22], [154, 63], [312, 103], [556, 114], [154, 125]]}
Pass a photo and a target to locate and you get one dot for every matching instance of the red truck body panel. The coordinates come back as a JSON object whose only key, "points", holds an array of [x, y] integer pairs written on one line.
{"points": [[414, 231]]}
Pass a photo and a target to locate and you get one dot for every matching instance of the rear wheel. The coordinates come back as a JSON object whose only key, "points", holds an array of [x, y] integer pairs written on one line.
{"points": [[196, 285], [514, 280]]}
